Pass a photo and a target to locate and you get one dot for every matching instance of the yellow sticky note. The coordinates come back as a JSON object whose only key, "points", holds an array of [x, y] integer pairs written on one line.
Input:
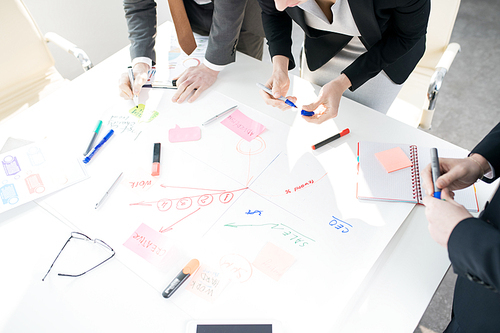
{"points": [[393, 159]]}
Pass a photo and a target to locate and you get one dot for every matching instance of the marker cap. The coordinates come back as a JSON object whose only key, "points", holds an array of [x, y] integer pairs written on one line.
{"points": [[344, 132], [191, 266]]}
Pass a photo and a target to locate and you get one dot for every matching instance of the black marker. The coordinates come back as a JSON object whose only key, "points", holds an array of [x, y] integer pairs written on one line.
{"points": [[186, 272]]}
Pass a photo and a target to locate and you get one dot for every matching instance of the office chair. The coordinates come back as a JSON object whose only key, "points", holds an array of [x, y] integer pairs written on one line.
{"points": [[416, 102], [26, 64]]}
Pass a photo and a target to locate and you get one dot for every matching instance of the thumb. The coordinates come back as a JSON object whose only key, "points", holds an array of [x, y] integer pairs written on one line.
{"points": [[312, 106]]}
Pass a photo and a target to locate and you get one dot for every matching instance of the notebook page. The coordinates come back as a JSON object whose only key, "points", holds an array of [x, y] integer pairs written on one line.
{"points": [[467, 196], [375, 183]]}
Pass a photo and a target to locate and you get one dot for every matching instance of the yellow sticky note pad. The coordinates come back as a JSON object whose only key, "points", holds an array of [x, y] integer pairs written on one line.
{"points": [[393, 159]]}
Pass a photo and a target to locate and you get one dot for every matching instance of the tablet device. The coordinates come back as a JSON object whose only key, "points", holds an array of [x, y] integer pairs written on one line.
{"points": [[234, 326]]}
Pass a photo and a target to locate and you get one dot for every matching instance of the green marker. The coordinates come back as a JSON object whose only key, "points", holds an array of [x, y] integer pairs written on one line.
{"points": [[94, 136]]}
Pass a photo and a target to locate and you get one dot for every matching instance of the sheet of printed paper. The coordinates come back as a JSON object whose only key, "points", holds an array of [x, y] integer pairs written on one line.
{"points": [[36, 170]]}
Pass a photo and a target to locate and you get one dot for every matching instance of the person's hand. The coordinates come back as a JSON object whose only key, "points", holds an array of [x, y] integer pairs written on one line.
{"points": [[443, 216], [456, 174], [197, 79], [279, 83], [327, 105], [140, 71]]}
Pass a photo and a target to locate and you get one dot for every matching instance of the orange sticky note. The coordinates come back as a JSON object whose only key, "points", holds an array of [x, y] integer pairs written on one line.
{"points": [[273, 261], [393, 159]]}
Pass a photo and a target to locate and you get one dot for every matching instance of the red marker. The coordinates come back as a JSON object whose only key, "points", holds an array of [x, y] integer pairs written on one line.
{"points": [[335, 137], [156, 160]]}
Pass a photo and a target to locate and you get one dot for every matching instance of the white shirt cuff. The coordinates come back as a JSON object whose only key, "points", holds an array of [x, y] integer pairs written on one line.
{"points": [[217, 68], [490, 174], [144, 60]]}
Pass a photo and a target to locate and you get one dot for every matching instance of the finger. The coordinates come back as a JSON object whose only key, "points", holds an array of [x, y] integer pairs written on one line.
{"points": [[427, 180], [185, 93], [197, 93]]}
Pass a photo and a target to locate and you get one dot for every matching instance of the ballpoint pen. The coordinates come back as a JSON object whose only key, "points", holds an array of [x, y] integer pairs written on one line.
{"points": [[284, 99], [219, 115], [131, 78], [94, 136], [107, 192]]}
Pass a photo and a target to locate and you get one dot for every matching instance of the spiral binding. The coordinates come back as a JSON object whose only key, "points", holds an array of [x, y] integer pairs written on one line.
{"points": [[415, 174]]}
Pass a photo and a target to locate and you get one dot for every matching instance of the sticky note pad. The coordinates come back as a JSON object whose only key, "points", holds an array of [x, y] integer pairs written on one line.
{"points": [[273, 261], [242, 125], [179, 134], [393, 159], [149, 244]]}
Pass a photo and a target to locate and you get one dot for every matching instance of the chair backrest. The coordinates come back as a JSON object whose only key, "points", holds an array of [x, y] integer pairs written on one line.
{"points": [[441, 23], [26, 58]]}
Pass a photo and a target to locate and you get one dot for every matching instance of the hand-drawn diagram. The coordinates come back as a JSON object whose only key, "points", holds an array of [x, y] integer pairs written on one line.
{"points": [[8, 194], [34, 184], [36, 156], [11, 165]]}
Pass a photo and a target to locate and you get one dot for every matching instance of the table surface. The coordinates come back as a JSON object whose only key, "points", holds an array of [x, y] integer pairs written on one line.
{"points": [[391, 297]]}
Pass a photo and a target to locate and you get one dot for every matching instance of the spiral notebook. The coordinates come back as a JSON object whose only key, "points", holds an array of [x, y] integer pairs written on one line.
{"points": [[403, 185]]}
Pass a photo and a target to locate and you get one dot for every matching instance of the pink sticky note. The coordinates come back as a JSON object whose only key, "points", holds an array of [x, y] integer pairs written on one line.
{"points": [[179, 134], [393, 159], [273, 261], [245, 127], [149, 244]]}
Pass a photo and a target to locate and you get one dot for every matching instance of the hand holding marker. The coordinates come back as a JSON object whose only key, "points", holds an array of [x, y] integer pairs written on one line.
{"points": [[284, 99]]}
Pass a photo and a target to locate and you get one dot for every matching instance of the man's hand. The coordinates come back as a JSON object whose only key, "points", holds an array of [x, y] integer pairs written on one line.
{"points": [[327, 105], [443, 216], [196, 79], [140, 78], [456, 174]]}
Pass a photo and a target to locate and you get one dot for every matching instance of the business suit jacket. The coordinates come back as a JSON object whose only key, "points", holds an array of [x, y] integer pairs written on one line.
{"points": [[393, 32], [474, 251], [225, 26]]}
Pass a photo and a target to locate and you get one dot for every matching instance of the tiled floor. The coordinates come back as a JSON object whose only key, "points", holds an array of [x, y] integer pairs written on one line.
{"points": [[468, 106]]}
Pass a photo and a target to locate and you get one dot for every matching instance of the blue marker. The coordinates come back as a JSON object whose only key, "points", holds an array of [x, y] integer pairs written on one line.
{"points": [[435, 172], [99, 145], [287, 101]]}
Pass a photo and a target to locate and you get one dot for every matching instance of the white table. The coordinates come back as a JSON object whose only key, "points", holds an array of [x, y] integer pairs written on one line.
{"points": [[392, 297]]}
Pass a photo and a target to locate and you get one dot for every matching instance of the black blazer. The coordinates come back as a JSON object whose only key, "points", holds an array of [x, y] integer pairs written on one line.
{"points": [[393, 32], [474, 251]]}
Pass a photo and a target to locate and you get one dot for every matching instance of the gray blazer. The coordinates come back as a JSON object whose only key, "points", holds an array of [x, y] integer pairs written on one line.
{"points": [[226, 24]]}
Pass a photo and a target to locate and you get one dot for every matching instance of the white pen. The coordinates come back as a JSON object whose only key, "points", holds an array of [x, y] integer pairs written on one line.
{"points": [[109, 190], [219, 115], [131, 78]]}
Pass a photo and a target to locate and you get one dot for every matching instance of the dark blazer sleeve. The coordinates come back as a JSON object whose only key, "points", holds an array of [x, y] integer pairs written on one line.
{"points": [[474, 244], [225, 30], [406, 27], [141, 22], [278, 30]]}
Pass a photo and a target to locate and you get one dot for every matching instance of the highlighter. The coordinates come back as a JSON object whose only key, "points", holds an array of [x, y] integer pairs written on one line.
{"points": [[186, 272], [155, 171]]}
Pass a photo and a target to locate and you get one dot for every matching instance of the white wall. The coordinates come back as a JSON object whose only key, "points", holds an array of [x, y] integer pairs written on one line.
{"points": [[97, 26]]}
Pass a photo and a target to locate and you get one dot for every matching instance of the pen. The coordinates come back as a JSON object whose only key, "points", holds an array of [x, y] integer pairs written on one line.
{"points": [[94, 136], [107, 192], [99, 145], [131, 78], [335, 137], [186, 272], [435, 171], [219, 115], [159, 85], [156, 159], [286, 100]]}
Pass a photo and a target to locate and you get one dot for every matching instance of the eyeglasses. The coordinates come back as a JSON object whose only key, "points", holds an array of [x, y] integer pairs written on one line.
{"points": [[78, 235]]}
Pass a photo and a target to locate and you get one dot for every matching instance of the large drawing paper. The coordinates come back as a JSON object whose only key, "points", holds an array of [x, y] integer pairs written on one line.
{"points": [[36, 170]]}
